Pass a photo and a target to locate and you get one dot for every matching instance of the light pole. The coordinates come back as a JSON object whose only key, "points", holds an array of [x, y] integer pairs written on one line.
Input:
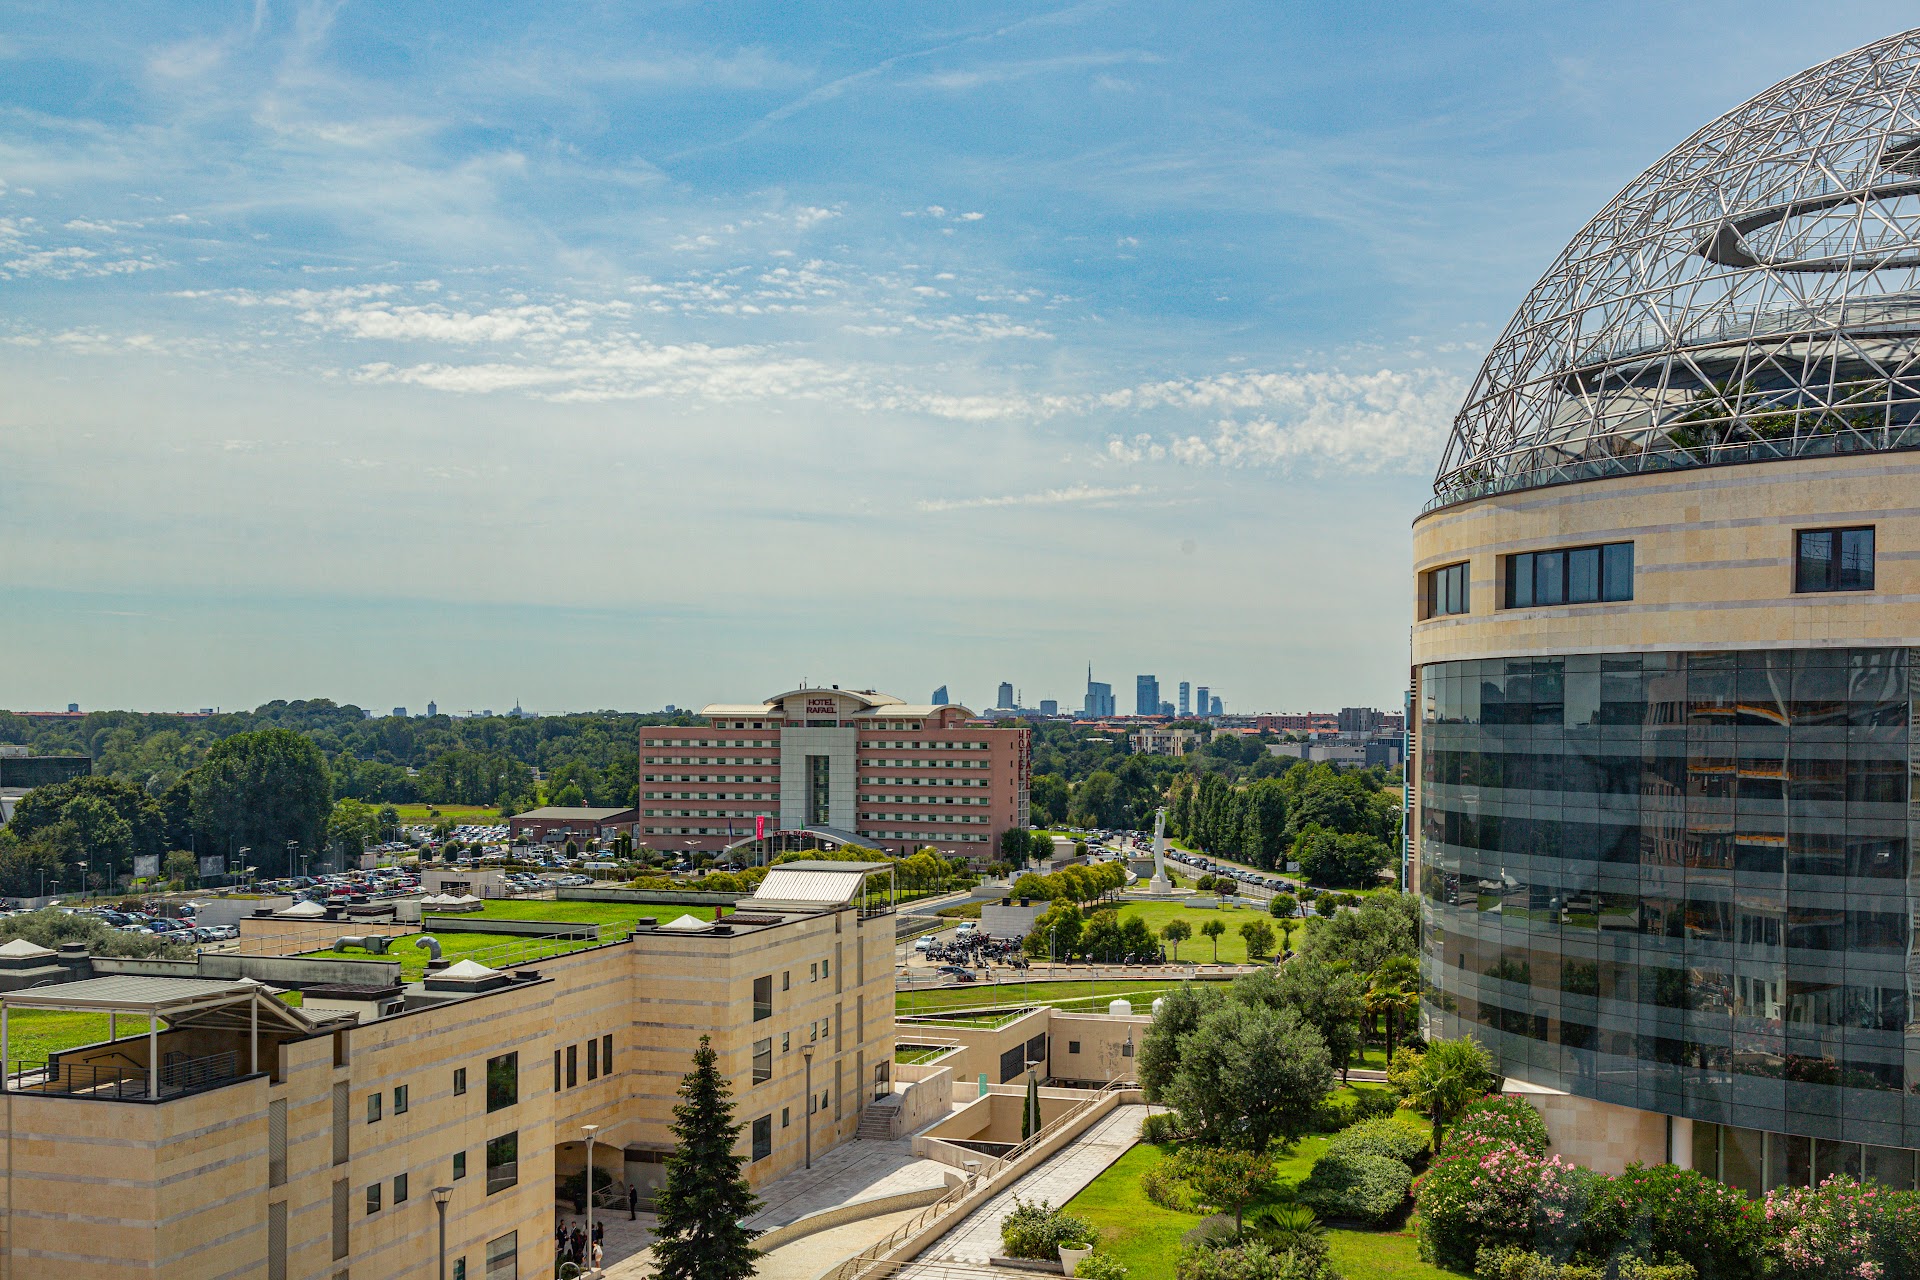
{"points": [[806, 1116], [590, 1130], [440, 1197]]}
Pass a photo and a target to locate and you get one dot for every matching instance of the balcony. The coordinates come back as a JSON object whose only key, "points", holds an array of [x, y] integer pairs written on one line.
{"points": [[176, 1078]]}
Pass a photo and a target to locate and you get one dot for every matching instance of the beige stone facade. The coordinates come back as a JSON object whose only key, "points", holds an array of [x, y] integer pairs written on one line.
{"points": [[371, 1117]]}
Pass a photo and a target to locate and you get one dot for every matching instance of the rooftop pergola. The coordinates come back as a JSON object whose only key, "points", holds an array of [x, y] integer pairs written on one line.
{"points": [[238, 1007]]}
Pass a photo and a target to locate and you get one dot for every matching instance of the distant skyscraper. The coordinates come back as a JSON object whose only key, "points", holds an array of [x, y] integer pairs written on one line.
{"points": [[1005, 701], [1166, 709], [433, 708], [1146, 695], [1200, 702], [940, 698], [1215, 709], [1099, 698], [1186, 698], [401, 712], [1049, 707]]}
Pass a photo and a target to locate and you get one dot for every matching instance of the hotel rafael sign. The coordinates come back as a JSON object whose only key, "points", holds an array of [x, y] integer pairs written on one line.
{"points": [[822, 707]]}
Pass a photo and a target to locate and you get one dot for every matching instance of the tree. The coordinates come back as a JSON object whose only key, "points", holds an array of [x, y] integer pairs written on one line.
{"points": [[1392, 993], [1213, 929], [1284, 906], [182, 868], [1453, 1075], [1350, 860], [262, 790], [1332, 1000], [1248, 1076], [1056, 933], [106, 838], [1030, 1113], [1226, 1179], [351, 827], [1384, 925], [1048, 794], [388, 820], [1326, 905], [1264, 830], [700, 1207], [1259, 936], [1159, 1057], [1176, 931], [1102, 941], [1016, 845], [91, 831]]}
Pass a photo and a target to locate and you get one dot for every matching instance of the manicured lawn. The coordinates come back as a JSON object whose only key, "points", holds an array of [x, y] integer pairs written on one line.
{"points": [[622, 914], [1199, 949], [1145, 1238], [978, 995], [426, 815], [504, 951], [32, 1034]]}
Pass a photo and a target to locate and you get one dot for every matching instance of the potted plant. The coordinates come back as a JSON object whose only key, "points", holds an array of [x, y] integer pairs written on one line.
{"points": [[1072, 1254]]}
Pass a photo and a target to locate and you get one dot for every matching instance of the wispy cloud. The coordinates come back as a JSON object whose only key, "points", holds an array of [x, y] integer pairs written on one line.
{"points": [[1077, 494]]}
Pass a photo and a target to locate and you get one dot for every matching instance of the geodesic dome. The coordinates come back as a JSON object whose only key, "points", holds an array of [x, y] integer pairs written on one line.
{"points": [[1754, 295]]}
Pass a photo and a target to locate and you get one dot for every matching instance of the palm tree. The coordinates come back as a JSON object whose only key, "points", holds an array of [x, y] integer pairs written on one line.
{"points": [[1452, 1076], [1213, 929], [1394, 992]]}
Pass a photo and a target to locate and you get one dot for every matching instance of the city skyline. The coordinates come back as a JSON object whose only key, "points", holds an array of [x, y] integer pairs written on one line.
{"points": [[355, 352]]}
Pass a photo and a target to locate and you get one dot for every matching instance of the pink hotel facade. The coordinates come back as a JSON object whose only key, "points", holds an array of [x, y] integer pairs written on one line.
{"points": [[854, 763]]}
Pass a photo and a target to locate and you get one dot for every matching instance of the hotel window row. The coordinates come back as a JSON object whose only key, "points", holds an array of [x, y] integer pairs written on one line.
{"points": [[566, 1062]]}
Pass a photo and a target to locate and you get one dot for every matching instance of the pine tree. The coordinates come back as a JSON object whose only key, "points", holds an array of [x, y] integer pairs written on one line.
{"points": [[699, 1236]]}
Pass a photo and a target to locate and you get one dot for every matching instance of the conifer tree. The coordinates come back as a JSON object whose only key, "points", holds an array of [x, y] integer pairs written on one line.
{"points": [[699, 1236]]}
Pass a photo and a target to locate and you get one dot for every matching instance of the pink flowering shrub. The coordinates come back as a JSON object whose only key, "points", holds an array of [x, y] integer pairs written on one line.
{"points": [[1843, 1230], [1491, 1192]]}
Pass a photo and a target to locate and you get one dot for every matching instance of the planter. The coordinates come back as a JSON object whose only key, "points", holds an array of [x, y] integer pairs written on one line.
{"points": [[1070, 1259]]}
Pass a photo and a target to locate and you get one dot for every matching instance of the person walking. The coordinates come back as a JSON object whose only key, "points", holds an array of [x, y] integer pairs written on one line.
{"points": [[633, 1203]]}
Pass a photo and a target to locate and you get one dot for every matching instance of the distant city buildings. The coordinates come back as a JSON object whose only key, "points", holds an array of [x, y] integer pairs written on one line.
{"points": [[1215, 709], [1099, 704], [400, 713], [1146, 695], [940, 698], [1005, 701], [1186, 698], [433, 708], [1200, 702], [1049, 707]]}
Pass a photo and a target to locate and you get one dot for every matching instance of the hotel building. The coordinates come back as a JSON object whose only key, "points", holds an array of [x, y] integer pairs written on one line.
{"points": [[853, 765], [1667, 656]]}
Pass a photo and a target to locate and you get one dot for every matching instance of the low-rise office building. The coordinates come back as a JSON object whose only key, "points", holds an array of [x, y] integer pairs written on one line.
{"points": [[555, 824], [239, 1137], [858, 765]]}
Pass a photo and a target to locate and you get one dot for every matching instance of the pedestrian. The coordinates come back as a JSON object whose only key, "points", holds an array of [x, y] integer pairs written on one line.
{"points": [[599, 1231], [598, 1254], [633, 1203]]}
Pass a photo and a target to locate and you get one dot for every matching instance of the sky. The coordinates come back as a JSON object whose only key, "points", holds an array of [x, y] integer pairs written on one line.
{"points": [[616, 355]]}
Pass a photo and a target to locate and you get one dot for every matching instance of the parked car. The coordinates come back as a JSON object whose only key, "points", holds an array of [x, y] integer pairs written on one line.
{"points": [[955, 972]]}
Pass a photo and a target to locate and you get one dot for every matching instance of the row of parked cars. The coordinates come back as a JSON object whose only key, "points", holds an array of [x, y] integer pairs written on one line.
{"points": [[1241, 874], [179, 929]]}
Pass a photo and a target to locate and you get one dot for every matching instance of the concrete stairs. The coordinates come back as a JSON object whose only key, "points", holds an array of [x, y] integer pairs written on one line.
{"points": [[880, 1121]]}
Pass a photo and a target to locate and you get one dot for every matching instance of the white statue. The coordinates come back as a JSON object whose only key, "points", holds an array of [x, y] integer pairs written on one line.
{"points": [[1160, 883]]}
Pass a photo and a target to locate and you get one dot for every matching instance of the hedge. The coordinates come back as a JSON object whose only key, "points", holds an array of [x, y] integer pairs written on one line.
{"points": [[1356, 1185]]}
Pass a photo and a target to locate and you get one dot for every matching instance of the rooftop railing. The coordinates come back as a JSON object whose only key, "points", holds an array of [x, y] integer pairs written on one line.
{"points": [[176, 1078]]}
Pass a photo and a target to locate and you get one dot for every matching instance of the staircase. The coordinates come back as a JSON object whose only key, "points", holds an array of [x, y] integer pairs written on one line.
{"points": [[878, 1122]]}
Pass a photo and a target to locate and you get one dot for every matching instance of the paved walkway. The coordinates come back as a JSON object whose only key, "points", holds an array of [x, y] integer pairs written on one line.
{"points": [[1059, 1179], [852, 1171]]}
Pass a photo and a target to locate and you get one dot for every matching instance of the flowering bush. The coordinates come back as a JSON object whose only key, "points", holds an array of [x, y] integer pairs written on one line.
{"points": [[1494, 1193], [1500, 1119], [1842, 1230], [1665, 1212], [1506, 1263]]}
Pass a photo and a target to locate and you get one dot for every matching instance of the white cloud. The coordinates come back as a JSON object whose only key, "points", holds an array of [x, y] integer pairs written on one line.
{"points": [[1079, 493]]}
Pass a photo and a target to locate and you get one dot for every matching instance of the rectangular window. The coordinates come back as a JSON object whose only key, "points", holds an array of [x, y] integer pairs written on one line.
{"points": [[815, 972], [1447, 590], [819, 775], [459, 1081], [277, 1143], [786, 979], [460, 1268], [573, 1065], [342, 1211], [503, 1082], [400, 1188], [459, 1165], [593, 1059], [763, 998], [342, 1121], [503, 1257], [399, 1099], [786, 1041], [373, 1107], [373, 1198], [763, 1060], [503, 1162], [1575, 575], [1833, 560], [277, 1241], [784, 1116], [763, 1137], [556, 1071], [826, 968], [606, 1053], [1073, 1046]]}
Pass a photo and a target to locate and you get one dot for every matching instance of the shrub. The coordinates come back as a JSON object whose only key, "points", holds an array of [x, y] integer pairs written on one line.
{"points": [[1507, 1263], [1161, 1129], [1480, 1193], [1163, 1185], [1380, 1137], [1252, 1260], [1100, 1266], [1401, 1069], [1667, 1212], [1500, 1120], [1372, 1101], [1035, 1229], [1358, 1185], [1840, 1229], [1335, 1112]]}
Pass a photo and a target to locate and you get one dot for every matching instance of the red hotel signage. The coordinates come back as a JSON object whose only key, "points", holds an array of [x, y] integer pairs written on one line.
{"points": [[822, 707]]}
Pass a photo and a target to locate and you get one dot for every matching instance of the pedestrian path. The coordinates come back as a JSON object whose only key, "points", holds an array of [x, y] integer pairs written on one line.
{"points": [[1058, 1179]]}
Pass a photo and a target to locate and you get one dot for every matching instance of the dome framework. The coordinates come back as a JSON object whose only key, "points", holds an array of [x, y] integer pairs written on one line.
{"points": [[1754, 295]]}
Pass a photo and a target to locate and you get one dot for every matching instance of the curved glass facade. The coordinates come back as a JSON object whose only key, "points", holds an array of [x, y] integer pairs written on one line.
{"points": [[1681, 882]]}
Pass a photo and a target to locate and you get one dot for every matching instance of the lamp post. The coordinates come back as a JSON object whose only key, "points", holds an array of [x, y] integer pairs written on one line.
{"points": [[440, 1197], [590, 1130], [806, 1116]]}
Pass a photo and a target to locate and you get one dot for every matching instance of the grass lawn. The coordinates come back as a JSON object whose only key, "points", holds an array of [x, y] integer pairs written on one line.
{"points": [[621, 914], [979, 995], [504, 951], [1145, 1238], [426, 815], [34, 1034], [1199, 949]]}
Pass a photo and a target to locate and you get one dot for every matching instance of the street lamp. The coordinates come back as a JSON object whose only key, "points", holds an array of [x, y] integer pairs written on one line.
{"points": [[440, 1197], [590, 1130], [806, 1116]]}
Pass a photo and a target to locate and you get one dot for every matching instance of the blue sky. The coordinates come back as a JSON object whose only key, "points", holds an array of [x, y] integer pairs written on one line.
{"points": [[616, 355]]}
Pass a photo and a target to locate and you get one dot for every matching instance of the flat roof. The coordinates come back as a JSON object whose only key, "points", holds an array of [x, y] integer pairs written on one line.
{"points": [[554, 811], [130, 991]]}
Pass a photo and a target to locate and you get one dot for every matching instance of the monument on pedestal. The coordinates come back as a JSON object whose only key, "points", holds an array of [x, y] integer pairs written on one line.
{"points": [[1160, 884]]}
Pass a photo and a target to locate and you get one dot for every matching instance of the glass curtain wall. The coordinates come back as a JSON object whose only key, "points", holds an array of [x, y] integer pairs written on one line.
{"points": [[1681, 882]]}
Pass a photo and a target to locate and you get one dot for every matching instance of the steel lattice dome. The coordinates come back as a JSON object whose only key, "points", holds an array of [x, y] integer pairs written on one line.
{"points": [[1755, 295]]}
